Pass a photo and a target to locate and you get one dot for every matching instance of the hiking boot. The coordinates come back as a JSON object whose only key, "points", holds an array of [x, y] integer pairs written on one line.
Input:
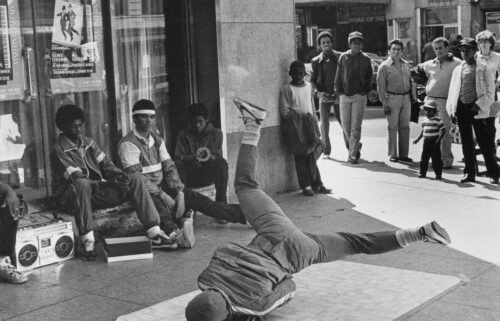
{"points": [[9, 273], [433, 233], [249, 112], [162, 241], [185, 237]]}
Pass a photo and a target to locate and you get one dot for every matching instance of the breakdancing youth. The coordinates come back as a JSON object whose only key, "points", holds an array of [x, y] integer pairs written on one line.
{"points": [[245, 282]]}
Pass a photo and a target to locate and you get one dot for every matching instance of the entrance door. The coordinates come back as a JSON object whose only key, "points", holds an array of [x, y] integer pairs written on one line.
{"points": [[51, 54]]}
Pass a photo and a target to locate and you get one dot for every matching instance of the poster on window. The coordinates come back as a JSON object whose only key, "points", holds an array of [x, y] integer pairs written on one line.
{"points": [[74, 59], [11, 66]]}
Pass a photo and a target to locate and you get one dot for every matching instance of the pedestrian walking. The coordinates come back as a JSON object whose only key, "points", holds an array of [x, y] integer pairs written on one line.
{"points": [[394, 86], [352, 83]]}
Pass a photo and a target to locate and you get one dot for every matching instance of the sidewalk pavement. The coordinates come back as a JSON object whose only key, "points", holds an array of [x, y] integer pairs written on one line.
{"points": [[375, 195]]}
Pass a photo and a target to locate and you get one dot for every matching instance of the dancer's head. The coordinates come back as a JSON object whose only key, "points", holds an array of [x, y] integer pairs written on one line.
{"points": [[209, 305]]}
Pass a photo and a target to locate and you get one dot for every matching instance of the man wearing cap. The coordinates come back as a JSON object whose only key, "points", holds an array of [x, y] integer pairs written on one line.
{"points": [[85, 179], [438, 72], [324, 67], [143, 151], [352, 83], [471, 94]]}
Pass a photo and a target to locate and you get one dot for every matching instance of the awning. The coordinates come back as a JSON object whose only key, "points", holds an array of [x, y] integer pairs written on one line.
{"points": [[332, 2]]}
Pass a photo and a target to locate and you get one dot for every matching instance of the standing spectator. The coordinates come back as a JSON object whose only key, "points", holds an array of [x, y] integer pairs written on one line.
{"points": [[486, 42], [432, 132], [454, 44], [198, 153], [428, 50], [296, 108], [394, 90], [352, 83], [9, 215], [469, 98], [324, 67], [438, 74]]}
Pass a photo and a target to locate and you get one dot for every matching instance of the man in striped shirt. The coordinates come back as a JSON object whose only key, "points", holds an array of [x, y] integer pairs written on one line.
{"points": [[433, 130]]}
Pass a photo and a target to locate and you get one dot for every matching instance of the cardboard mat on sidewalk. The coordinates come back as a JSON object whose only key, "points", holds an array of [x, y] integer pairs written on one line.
{"points": [[339, 290]]}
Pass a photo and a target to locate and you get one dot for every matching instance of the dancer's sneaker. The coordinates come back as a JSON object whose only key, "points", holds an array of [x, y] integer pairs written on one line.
{"points": [[9, 273], [434, 233], [162, 241], [249, 112], [185, 237]]}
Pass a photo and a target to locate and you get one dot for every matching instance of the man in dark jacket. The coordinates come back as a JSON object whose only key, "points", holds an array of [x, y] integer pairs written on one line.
{"points": [[352, 83], [246, 281], [198, 153], [85, 179], [324, 67]]}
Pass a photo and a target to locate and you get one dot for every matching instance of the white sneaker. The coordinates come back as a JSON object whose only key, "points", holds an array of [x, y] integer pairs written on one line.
{"points": [[185, 237], [249, 112], [434, 233], [9, 273]]}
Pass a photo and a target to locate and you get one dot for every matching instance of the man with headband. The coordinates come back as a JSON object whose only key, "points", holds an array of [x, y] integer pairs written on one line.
{"points": [[143, 151], [85, 179]]}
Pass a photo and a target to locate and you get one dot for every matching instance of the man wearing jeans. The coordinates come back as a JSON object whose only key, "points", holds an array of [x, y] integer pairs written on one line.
{"points": [[438, 73], [324, 67], [247, 282], [352, 83]]}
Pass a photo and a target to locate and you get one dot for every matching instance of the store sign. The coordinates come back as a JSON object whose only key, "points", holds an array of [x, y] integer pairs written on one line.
{"points": [[493, 18], [74, 59], [11, 64], [360, 14]]}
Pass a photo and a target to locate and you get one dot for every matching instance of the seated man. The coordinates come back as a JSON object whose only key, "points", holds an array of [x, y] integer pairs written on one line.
{"points": [[246, 282], [85, 179], [142, 151], [9, 214], [198, 153]]}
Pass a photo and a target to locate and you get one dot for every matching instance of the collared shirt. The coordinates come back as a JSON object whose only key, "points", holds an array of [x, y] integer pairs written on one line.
{"points": [[392, 78], [492, 62], [468, 84], [439, 75], [324, 68], [432, 127]]}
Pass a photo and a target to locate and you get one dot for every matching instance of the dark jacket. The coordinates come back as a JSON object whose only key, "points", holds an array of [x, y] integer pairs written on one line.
{"points": [[354, 74], [68, 163], [189, 141], [301, 134], [251, 281], [322, 81]]}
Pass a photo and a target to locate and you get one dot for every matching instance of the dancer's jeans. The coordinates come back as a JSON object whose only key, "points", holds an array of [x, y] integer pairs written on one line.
{"points": [[352, 109], [279, 237]]}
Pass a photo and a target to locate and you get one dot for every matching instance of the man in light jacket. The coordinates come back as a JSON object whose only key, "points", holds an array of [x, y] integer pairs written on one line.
{"points": [[470, 97]]}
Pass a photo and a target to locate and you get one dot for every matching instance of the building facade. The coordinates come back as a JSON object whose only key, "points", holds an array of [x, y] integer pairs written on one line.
{"points": [[105, 55]]}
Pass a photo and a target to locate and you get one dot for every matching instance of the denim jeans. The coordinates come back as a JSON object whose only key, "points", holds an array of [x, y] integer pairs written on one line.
{"points": [[352, 109], [324, 109], [398, 126], [279, 237]]}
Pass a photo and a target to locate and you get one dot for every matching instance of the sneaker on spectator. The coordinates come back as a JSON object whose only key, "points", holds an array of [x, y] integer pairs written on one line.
{"points": [[162, 241], [9, 273], [433, 233], [185, 237]]}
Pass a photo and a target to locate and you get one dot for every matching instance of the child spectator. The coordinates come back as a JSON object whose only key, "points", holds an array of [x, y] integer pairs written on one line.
{"points": [[433, 130], [301, 130]]}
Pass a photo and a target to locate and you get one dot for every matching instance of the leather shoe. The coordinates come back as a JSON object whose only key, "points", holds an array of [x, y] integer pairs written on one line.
{"points": [[467, 178], [494, 180], [393, 159]]}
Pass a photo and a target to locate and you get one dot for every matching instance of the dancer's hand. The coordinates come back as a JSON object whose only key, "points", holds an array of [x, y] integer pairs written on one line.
{"points": [[179, 203]]}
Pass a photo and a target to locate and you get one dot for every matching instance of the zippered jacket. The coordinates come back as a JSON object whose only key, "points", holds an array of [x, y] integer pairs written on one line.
{"points": [[70, 162]]}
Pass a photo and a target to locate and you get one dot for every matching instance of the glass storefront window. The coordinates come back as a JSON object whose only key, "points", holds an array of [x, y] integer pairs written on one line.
{"points": [[439, 16], [140, 59]]}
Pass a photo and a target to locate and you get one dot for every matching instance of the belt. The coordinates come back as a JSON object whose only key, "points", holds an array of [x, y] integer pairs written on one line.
{"points": [[437, 97], [398, 94]]}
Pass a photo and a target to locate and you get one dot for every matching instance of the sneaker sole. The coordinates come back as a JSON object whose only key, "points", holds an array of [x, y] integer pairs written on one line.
{"points": [[164, 246], [187, 239], [440, 233]]}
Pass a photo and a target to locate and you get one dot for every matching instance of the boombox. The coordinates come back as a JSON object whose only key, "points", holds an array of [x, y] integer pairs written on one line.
{"points": [[45, 243]]}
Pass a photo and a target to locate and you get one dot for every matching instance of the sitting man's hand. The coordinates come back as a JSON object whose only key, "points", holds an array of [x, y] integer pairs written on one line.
{"points": [[180, 205], [121, 181], [12, 202]]}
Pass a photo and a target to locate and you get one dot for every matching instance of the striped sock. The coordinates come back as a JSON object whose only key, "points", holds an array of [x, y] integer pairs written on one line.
{"points": [[251, 135], [410, 235]]}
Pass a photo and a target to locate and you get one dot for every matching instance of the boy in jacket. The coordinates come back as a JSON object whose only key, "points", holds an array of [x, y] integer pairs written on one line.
{"points": [[85, 179], [244, 282]]}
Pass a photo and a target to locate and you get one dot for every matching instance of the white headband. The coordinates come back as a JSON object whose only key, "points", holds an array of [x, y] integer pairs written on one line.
{"points": [[144, 111]]}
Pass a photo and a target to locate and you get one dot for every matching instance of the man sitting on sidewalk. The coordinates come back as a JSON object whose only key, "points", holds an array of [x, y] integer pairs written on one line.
{"points": [[198, 153], [143, 151], [246, 281], [85, 179]]}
